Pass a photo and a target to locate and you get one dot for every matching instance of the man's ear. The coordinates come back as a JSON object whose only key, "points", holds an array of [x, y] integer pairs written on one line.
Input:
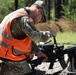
{"points": [[38, 11]]}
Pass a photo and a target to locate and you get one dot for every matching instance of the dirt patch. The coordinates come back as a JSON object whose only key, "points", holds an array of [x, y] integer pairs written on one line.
{"points": [[60, 25]]}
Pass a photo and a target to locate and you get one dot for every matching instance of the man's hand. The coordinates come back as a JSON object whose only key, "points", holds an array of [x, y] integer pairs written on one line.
{"points": [[41, 54]]}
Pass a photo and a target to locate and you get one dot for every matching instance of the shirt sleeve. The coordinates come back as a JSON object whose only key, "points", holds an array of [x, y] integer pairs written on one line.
{"points": [[31, 30]]}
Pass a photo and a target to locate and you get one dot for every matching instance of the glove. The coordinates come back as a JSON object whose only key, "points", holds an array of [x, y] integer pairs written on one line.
{"points": [[52, 33], [42, 55]]}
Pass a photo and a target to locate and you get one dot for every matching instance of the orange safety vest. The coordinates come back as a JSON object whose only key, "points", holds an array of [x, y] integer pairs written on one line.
{"points": [[9, 46]]}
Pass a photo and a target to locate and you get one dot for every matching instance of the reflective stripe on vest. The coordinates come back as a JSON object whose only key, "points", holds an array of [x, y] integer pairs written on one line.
{"points": [[3, 44], [6, 35], [18, 52]]}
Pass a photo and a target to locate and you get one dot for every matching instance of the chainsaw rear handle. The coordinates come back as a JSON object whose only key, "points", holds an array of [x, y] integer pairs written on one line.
{"points": [[55, 42]]}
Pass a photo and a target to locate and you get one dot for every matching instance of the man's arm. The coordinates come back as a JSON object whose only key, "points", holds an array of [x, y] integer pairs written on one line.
{"points": [[30, 29]]}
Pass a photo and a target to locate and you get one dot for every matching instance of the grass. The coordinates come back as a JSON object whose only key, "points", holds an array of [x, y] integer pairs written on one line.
{"points": [[68, 39]]}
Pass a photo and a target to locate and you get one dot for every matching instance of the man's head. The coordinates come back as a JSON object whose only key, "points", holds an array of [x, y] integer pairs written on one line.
{"points": [[37, 11], [41, 5]]}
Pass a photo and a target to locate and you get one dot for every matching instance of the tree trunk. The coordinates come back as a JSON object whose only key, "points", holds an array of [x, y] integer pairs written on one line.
{"points": [[16, 4], [58, 9], [49, 9]]}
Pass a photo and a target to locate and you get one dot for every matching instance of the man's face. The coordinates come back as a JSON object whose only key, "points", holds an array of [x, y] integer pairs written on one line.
{"points": [[39, 16], [41, 11]]}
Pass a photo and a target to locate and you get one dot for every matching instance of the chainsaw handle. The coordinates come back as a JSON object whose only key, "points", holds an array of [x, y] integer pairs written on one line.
{"points": [[55, 42]]}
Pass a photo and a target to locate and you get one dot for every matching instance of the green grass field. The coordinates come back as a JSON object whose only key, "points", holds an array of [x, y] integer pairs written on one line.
{"points": [[68, 39]]}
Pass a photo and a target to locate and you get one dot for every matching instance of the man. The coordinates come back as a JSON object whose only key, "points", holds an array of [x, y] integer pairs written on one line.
{"points": [[18, 37]]}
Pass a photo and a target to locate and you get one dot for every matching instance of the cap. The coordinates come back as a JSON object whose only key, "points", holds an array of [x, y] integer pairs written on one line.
{"points": [[42, 5]]}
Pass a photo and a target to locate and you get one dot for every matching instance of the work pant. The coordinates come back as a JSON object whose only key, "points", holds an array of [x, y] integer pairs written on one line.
{"points": [[15, 68]]}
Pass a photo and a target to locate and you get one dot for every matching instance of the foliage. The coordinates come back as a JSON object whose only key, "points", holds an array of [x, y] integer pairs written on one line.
{"points": [[70, 9], [21, 3], [29, 2], [6, 7]]}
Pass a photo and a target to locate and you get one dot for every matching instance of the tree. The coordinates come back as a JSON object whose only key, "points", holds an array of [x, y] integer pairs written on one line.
{"points": [[16, 4], [58, 8]]}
